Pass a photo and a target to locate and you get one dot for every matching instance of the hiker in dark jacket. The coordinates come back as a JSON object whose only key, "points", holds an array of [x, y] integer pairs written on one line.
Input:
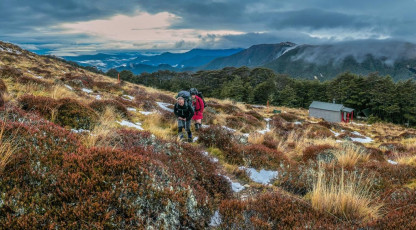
{"points": [[184, 112]]}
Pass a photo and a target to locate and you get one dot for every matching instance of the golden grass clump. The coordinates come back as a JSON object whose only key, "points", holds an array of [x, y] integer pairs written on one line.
{"points": [[7, 150], [155, 124], [347, 197], [105, 125], [349, 155]]}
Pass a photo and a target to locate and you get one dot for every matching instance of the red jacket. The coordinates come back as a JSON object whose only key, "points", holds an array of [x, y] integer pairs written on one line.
{"points": [[199, 108]]}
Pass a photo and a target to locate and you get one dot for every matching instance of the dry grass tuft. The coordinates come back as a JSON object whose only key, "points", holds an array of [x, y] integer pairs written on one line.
{"points": [[7, 149], [256, 138], [350, 155], [350, 198], [105, 125], [158, 126]]}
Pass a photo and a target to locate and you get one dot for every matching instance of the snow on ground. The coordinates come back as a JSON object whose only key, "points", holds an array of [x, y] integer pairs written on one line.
{"points": [[136, 125], [229, 129], [359, 139], [38, 77], [164, 106], [339, 141], [259, 106], [98, 97], [195, 139], [246, 134], [213, 159], [10, 50], [264, 131], [130, 98], [87, 90], [235, 186], [335, 133], [69, 87], [215, 220], [205, 126], [131, 109], [146, 113], [392, 162], [263, 176], [297, 123], [79, 130]]}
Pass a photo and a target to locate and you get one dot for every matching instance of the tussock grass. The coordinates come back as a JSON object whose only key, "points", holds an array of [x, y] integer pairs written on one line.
{"points": [[154, 123], [256, 138], [105, 125], [58, 92], [7, 149], [347, 197], [349, 155]]}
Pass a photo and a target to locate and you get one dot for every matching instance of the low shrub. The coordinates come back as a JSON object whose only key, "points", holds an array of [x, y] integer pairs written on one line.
{"points": [[259, 156], [75, 115], [10, 72], [100, 106], [28, 80], [275, 211], [107, 86], [289, 117], [312, 152], [45, 106], [318, 131], [400, 210]]}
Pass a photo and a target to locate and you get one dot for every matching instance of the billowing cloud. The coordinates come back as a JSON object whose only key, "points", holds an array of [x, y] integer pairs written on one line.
{"points": [[74, 26]]}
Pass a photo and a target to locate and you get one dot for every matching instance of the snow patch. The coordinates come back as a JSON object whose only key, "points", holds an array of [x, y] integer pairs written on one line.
{"points": [[392, 162], [229, 129], [131, 109], [338, 141], [80, 130], [38, 77], [359, 139], [137, 125], [335, 133], [205, 126], [215, 220], [164, 106], [98, 97], [235, 186], [146, 113], [87, 90], [297, 123], [264, 131], [263, 176], [195, 139], [69, 87], [130, 98]]}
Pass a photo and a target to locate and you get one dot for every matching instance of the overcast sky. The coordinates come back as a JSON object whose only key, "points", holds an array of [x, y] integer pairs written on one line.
{"points": [[89, 26]]}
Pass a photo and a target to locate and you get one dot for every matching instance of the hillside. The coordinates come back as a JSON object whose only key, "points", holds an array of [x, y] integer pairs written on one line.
{"points": [[138, 63], [79, 150], [324, 62], [257, 55]]}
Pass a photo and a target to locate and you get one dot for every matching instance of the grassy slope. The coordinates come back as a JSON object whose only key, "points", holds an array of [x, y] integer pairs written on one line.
{"points": [[309, 158]]}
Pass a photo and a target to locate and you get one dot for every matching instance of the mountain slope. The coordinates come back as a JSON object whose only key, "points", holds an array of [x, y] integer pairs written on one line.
{"points": [[79, 150], [326, 61], [139, 63], [256, 55]]}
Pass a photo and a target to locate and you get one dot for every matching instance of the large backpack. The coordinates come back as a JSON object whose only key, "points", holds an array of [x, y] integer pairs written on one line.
{"points": [[187, 96], [199, 94]]}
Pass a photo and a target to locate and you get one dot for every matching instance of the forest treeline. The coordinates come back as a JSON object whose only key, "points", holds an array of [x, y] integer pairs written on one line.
{"points": [[377, 95]]}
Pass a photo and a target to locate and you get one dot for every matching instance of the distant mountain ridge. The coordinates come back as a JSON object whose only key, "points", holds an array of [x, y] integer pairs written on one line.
{"points": [[322, 62], [139, 63], [257, 55]]}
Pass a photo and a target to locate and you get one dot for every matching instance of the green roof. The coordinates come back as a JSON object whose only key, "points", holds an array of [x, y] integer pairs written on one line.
{"points": [[330, 106]]}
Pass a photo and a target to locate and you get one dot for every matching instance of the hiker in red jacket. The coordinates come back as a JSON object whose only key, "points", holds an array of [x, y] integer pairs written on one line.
{"points": [[198, 105]]}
